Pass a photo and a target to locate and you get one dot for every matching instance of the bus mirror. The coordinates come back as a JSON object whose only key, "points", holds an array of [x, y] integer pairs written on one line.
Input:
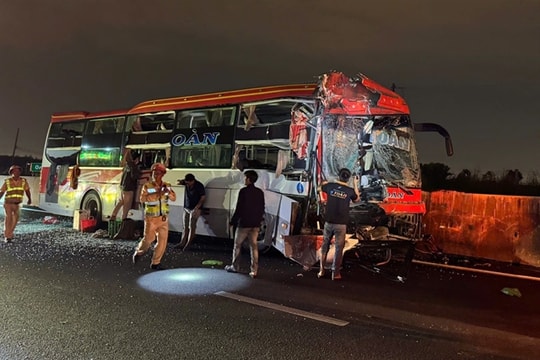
{"points": [[424, 127], [449, 146]]}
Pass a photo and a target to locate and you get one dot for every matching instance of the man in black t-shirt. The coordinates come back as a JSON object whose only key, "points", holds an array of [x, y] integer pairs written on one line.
{"points": [[194, 196], [247, 219], [339, 196]]}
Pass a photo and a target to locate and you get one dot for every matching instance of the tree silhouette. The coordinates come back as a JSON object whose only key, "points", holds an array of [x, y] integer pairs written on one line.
{"points": [[489, 177], [434, 176], [464, 175], [513, 177], [437, 176]]}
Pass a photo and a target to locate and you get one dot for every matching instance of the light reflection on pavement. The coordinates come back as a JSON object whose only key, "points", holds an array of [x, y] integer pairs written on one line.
{"points": [[193, 281]]}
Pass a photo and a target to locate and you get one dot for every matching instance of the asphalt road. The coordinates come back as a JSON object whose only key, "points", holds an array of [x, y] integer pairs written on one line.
{"points": [[65, 295]]}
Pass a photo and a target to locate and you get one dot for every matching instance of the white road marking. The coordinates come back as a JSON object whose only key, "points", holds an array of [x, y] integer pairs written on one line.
{"points": [[282, 308]]}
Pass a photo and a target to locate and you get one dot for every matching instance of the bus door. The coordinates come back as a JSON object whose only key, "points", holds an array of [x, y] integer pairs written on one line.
{"points": [[61, 151]]}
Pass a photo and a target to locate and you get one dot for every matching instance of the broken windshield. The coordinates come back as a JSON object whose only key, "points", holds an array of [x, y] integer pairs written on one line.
{"points": [[379, 146]]}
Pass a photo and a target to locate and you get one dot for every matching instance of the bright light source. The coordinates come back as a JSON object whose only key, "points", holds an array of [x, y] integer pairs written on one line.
{"points": [[187, 276]]}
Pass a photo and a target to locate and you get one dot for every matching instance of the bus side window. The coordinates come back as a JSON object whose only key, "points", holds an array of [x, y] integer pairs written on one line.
{"points": [[193, 120], [229, 116], [216, 118], [199, 122], [184, 122], [97, 127], [76, 141], [137, 125], [119, 125], [146, 160], [109, 127], [162, 156], [167, 124], [249, 117]]}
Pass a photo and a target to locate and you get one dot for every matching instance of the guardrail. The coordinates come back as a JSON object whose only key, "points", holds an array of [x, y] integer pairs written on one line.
{"points": [[498, 227]]}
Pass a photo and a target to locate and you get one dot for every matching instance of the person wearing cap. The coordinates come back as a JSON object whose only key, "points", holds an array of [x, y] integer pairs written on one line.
{"points": [[14, 188], [194, 196], [155, 195], [128, 183], [339, 197]]}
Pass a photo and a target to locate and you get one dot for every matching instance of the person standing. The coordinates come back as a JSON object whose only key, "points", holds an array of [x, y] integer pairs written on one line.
{"points": [[128, 183], [194, 196], [339, 198], [14, 188], [155, 195], [247, 218]]}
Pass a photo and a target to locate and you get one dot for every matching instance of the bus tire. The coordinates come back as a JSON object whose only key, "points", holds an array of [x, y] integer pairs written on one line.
{"points": [[92, 203]]}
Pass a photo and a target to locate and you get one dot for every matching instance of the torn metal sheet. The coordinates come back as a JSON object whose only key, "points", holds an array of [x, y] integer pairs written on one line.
{"points": [[306, 249]]}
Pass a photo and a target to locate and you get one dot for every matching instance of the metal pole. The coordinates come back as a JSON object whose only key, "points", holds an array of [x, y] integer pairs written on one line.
{"points": [[14, 147]]}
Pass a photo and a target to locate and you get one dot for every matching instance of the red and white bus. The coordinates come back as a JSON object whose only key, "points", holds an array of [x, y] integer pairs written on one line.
{"points": [[292, 135]]}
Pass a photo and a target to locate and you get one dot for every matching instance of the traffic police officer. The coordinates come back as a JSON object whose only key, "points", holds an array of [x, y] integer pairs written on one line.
{"points": [[14, 188], [155, 195]]}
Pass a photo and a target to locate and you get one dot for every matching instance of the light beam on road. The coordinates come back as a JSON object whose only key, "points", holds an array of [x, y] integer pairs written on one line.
{"points": [[192, 281]]}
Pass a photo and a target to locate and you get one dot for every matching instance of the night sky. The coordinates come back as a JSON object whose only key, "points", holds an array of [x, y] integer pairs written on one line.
{"points": [[472, 66]]}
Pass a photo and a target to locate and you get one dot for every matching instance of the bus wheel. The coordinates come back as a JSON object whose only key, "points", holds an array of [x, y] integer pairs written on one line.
{"points": [[261, 239], [92, 204]]}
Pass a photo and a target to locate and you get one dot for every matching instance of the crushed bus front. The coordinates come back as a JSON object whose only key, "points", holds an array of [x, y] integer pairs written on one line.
{"points": [[366, 128]]}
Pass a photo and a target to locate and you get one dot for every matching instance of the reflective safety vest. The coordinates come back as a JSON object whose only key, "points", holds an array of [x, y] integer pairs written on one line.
{"points": [[15, 194], [157, 202]]}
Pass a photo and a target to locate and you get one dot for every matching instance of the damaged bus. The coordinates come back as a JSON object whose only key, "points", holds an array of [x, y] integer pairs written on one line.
{"points": [[293, 136], [362, 126]]}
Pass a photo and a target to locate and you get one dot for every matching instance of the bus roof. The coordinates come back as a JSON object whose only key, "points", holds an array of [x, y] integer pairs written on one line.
{"points": [[85, 115], [223, 98], [194, 101], [387, 99]]}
